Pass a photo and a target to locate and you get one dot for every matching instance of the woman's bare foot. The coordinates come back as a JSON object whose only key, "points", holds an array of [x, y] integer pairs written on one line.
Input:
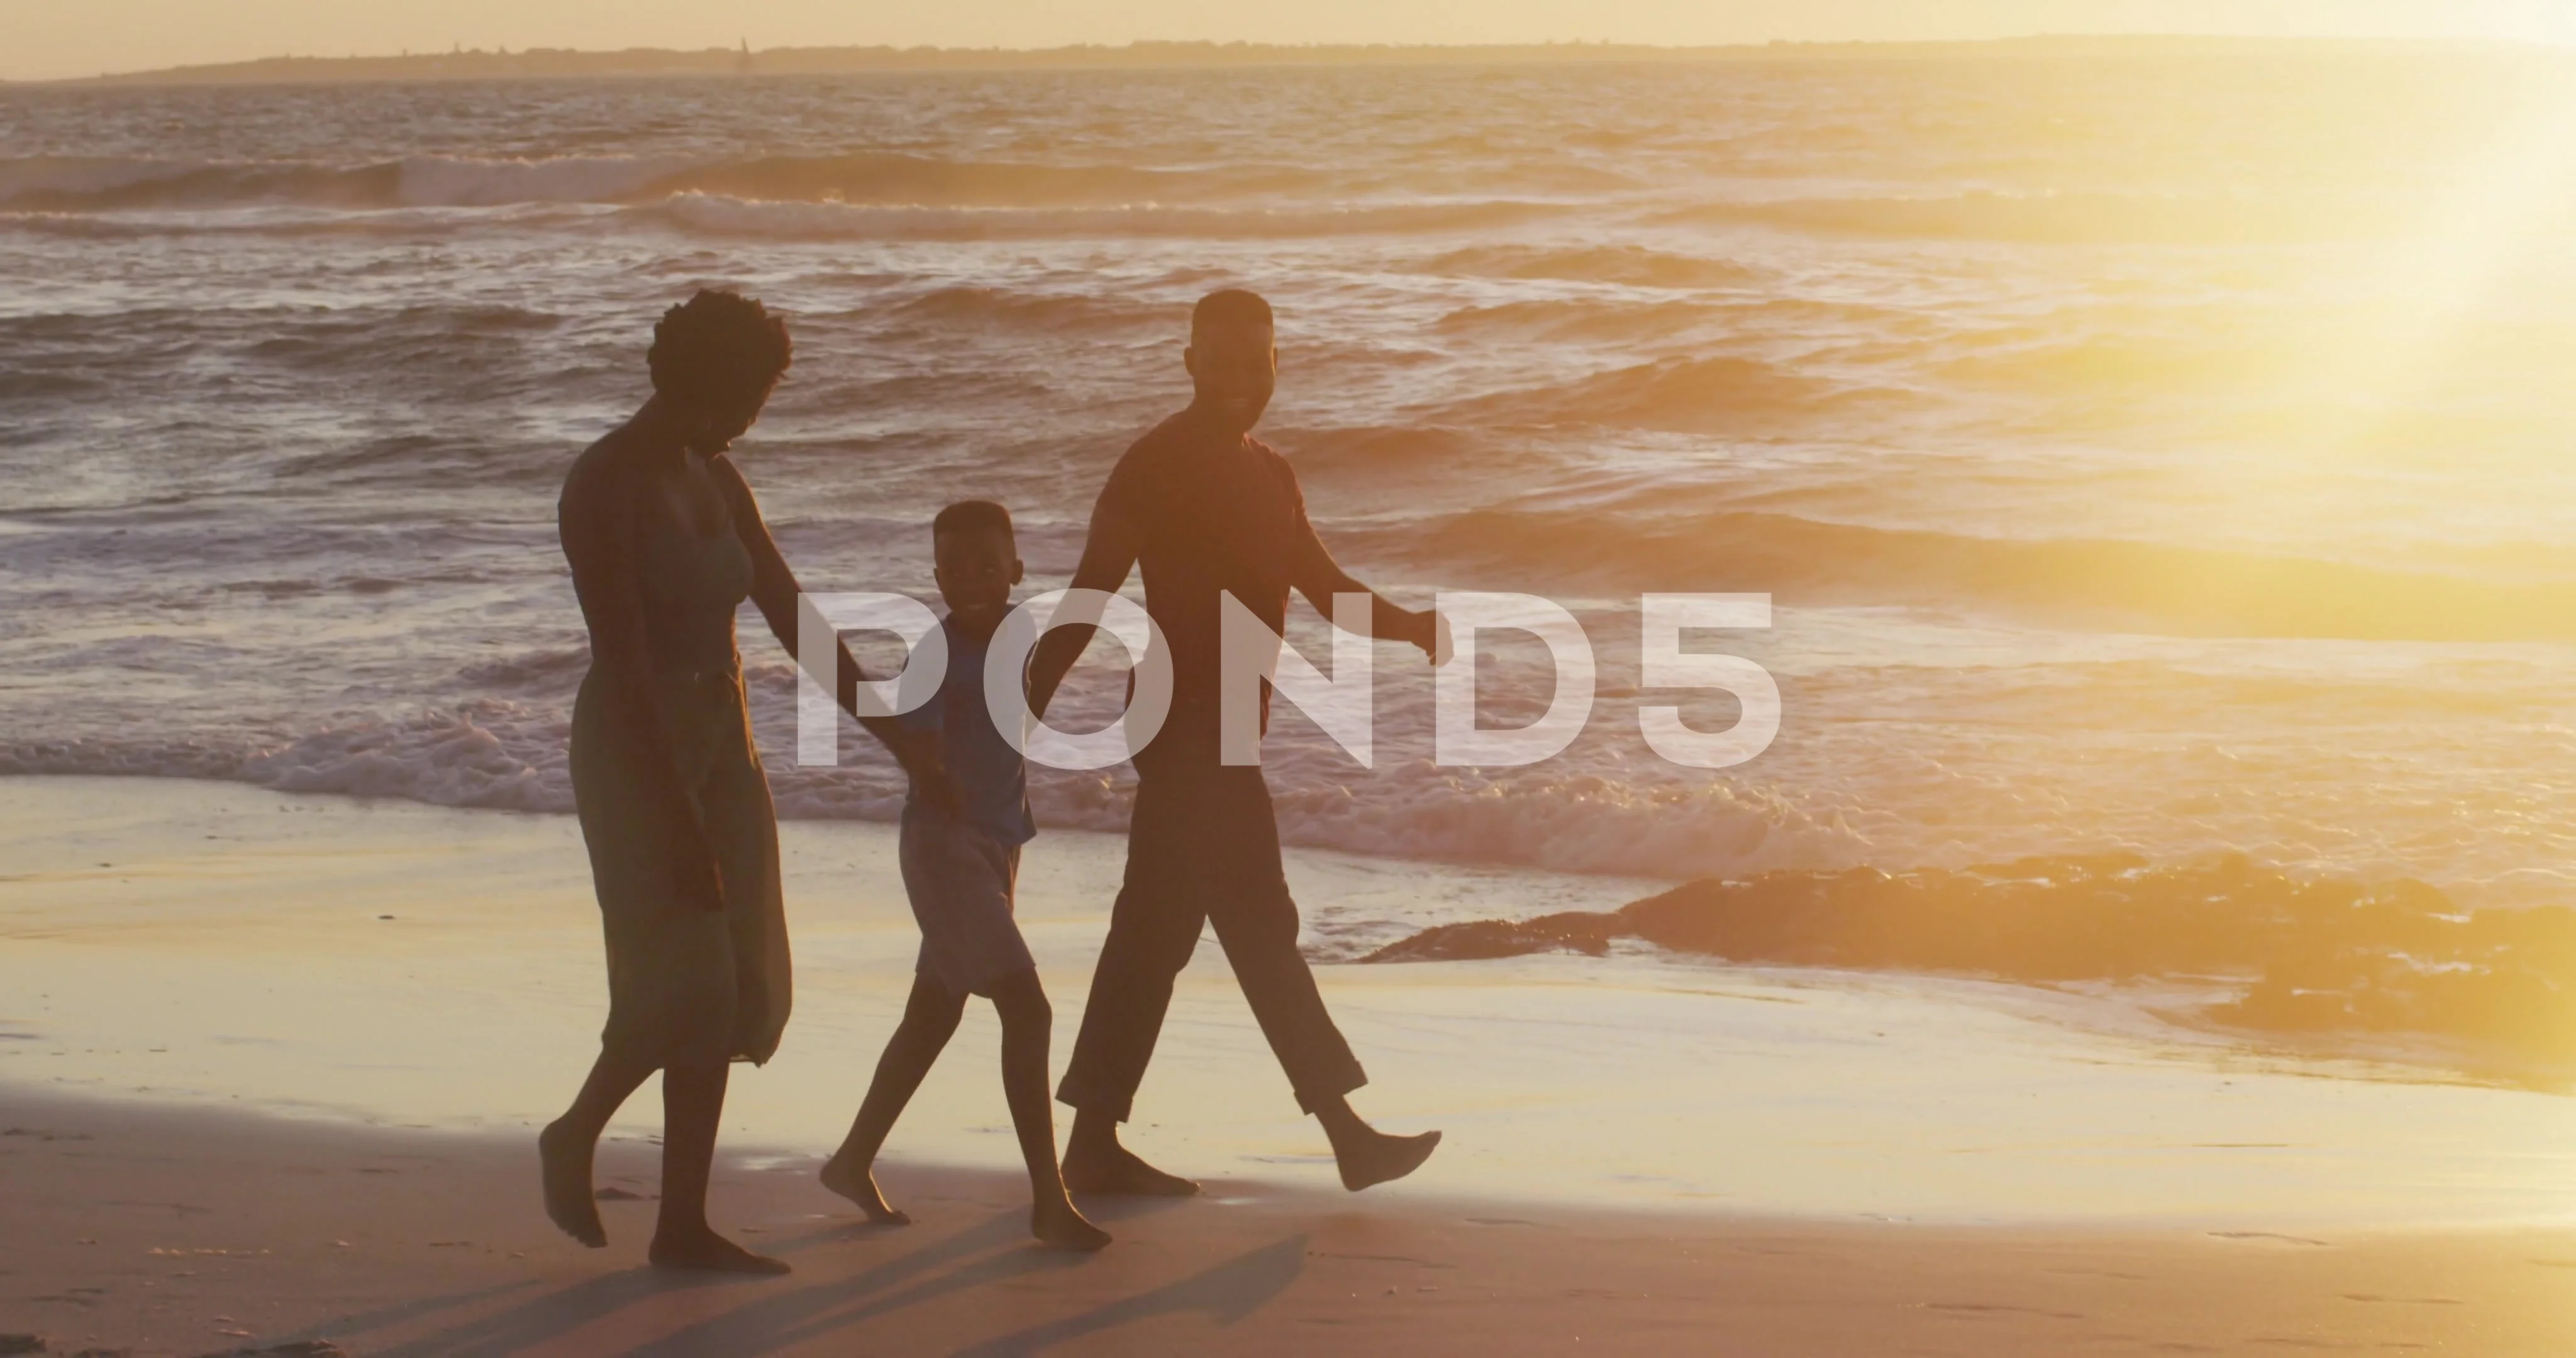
{"points": [[1059, 1225], [857, 1181], [565, 1165], [1373, 1157], [705, 1251], [1117, 1171]]}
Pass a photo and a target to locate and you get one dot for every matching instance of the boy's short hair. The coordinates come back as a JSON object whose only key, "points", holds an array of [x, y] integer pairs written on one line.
{"points": [[968, 516]]}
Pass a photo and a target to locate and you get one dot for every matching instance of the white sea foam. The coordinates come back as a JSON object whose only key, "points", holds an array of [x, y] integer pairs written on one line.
{"points": [[727, 216]]}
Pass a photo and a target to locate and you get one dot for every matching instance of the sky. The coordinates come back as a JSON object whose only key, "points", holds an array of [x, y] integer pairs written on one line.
{"points": [[57, 38]]}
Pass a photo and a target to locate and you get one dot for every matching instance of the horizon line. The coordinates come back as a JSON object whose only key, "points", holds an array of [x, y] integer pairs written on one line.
{"points": [[475, 63]]}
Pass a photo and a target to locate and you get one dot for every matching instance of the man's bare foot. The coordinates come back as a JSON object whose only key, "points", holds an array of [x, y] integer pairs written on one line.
{"points": [[858, 1182], [705, 1251], [564, 1161], [1117, 1172], [1059, 1225], [1373, 1157]]}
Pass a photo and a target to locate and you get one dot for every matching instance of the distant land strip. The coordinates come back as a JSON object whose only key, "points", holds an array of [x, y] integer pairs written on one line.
{"points": [[558, 63]]}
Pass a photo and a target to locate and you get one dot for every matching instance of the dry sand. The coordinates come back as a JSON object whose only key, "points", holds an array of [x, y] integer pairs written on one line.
{"points": [[187, 1231]]}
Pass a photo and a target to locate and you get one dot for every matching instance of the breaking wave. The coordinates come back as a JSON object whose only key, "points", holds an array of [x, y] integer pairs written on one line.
{"points": [[2051, 218], [706, 214], [1628, 265], [507, 755], [92, 184], [1724, 394]]}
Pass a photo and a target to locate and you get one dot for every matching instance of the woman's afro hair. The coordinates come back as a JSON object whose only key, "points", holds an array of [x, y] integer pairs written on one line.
{"points": [[718, 348]]}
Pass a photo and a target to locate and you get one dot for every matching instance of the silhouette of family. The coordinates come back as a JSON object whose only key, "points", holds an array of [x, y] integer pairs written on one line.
{"points": [[666, 541]]}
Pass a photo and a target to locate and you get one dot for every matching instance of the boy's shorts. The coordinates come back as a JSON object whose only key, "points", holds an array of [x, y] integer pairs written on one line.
{"points": [[961, 880]]}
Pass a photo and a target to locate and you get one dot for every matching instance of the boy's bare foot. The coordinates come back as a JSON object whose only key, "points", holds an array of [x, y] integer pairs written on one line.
{"points": [[1059, 1225], [705, 1251], [1117, 1171], [565, 1165], [1373, 1157], [858, 1183]]}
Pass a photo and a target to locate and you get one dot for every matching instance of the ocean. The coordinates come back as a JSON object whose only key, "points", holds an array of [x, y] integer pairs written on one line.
{"points": [[2161, 456]]}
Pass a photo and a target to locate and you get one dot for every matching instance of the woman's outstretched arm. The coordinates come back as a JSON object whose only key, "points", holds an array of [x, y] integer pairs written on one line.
{"points": [[596, 521], [774, 591]]}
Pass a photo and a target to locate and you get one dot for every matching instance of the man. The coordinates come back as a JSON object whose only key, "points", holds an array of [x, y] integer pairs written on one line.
{"points": [[1207, 510]]}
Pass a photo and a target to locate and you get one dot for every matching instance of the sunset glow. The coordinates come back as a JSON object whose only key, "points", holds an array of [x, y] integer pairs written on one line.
{"points": [[1857, 677]]}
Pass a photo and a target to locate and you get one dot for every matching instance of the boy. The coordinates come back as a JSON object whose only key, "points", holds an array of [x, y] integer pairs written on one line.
{"points": [[959, 868]]}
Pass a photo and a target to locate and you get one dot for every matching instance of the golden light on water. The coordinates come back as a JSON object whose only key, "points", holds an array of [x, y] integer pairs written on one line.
{"points": [[2513, 204], [2350, 294]]}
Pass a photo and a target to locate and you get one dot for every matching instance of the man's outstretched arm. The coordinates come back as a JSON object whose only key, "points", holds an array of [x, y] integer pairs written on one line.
{"points": [[1319, 577], [1108, 553]]}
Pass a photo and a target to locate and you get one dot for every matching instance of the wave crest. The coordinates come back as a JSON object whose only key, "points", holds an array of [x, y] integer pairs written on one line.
{"points": [[509, 755], [2051, 218], [95, 184], [1628, 265], [1723, 394], [710, 214]]}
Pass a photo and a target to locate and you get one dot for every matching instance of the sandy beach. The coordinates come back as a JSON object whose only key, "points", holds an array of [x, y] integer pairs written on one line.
{"points": [[245, 1106], [155, 1231]]}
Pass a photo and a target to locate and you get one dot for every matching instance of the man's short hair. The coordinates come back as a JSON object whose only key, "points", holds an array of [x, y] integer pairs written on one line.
{"points": [[968, 516], [1229, 307]]}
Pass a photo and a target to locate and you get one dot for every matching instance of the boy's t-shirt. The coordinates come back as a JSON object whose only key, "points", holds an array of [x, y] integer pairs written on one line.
{"points": [[992, 778]]}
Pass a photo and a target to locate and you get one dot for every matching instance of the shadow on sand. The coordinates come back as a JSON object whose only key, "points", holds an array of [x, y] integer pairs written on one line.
{"points": [[1226, 1293], [779, 1320]]}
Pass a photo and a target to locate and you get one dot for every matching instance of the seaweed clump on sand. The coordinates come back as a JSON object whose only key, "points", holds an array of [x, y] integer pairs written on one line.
{"points": [[2308, 956]]}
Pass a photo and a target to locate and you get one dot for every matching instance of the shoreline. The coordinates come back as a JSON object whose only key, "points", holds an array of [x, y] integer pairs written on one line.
{"points": [[190, 1231], [1575, 912], [219, 944]]}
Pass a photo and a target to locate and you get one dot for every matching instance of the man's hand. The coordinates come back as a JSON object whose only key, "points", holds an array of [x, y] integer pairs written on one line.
{"points": [[1430, 631]]}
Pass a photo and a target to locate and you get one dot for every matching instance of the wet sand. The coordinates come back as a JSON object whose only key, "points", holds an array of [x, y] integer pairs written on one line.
{"points": [[187, 1231], [271, 1067], [407, 965]]}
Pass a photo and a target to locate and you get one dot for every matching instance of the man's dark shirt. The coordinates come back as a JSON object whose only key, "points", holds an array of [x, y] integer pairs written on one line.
{"points": [[1211, 514]]}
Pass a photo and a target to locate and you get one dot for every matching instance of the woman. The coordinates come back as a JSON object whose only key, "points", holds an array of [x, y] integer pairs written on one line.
{"points": [[665, 542]]}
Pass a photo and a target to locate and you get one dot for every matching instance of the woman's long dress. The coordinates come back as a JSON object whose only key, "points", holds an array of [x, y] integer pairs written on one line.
{"points": [[685, 983]]}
